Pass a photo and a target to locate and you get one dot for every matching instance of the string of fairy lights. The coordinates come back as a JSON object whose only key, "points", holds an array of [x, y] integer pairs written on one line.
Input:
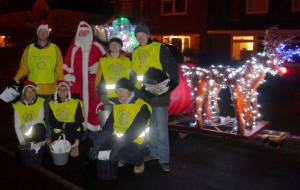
{"points": [[242, 82]]}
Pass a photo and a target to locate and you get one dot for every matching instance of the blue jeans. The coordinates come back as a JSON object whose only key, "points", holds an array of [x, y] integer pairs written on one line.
{"points": [[159, 135]]}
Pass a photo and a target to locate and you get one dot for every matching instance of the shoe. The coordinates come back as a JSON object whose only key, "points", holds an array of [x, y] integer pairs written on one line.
{"points": [[165, 167], [75, 152], [120, 164], [139, 169]]}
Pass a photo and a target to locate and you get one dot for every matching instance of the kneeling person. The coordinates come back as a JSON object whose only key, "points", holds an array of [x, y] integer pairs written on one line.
{"points": [[126, 128], [66, 116], [29, 115]]}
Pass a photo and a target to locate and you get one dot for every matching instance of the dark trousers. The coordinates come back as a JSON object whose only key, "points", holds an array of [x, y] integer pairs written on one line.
{"points": [[131, 153], [71, 134]]}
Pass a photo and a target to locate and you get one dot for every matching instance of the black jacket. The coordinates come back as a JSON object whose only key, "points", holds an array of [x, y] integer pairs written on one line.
{"points": [[170, 66], [54, 123], [137, 127]]}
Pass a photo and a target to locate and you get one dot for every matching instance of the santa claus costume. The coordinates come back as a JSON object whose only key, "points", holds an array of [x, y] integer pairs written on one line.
{"points": [[80, 67]]}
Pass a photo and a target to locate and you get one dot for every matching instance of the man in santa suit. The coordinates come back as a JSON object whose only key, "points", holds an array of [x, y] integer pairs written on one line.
{"points": [[80, 67]]}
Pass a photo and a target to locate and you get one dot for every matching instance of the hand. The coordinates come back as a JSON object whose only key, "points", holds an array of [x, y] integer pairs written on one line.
{"points": [[70, 78], [94, 68], [48, 141]]}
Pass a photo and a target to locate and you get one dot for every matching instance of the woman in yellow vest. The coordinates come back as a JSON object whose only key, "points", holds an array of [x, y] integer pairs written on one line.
{"points": [[126, 128], [112, 68], [66, 116], [29, 115]]}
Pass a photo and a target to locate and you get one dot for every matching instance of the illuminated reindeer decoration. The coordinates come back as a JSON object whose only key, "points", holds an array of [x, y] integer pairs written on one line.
{"points": [[243, 83]]}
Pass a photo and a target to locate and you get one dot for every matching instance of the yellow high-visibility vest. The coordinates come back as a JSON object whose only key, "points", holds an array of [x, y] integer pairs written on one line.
{"points": [[113, 70], [28, 113], [124, 115], [65, 111], [145, 57], [41, 64]]}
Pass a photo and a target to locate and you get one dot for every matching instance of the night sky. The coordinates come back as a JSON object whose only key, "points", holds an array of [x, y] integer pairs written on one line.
{"points": [[92, 6]]}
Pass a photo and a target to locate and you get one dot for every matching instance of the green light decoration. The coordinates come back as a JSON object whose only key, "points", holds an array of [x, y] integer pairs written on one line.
{"points": [[122, 29]]}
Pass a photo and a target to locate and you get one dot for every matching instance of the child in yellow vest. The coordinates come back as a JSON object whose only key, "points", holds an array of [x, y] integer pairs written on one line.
{"points": [[29, 115], [66, 116]]}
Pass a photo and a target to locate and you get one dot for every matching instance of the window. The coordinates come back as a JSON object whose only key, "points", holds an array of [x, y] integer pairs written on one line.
{"points": [[173, 7], [5, 41], [181, 42], [257, 6], [295, 6], [242, 47]]}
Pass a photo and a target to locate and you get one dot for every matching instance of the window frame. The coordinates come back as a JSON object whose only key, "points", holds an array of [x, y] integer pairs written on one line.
{"points": [[257, 12], [293, 8], [173, 13]]}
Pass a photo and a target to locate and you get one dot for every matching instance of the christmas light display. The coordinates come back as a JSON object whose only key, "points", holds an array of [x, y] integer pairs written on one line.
{"points": [[243, 83], [120, 28]]}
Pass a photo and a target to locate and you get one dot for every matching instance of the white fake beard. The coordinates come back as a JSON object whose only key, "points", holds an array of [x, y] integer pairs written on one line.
{"points": [[85, 43]]}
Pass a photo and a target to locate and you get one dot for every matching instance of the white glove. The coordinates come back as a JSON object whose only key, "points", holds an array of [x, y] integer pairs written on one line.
{"points": [[158, 89], [9, 94], [69, 78], [94, 68]]}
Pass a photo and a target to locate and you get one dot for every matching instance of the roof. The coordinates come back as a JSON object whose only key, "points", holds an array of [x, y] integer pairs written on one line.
{"points": [[102, 7]]}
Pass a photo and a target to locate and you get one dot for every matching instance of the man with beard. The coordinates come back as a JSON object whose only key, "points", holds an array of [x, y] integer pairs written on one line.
{"points": [[80, 66]]}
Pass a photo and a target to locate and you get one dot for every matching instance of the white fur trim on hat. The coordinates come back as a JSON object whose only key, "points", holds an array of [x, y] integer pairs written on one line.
{"points": [[42, 27]]}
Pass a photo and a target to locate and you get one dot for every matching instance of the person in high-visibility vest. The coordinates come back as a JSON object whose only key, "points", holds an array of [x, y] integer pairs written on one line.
{"points": [[41, 63], [114, 66], [126, 128], [66, 116], [154, 57], [29, 115]]}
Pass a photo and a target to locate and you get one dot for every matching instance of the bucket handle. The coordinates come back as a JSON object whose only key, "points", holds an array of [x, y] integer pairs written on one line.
{"points": [[62, 135]]}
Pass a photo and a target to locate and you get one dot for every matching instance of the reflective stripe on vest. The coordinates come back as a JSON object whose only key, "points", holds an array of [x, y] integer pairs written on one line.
{"points": [[113, 70], [29, 113], [64, 111], [143, 58], [124, 115], [41, 64]]}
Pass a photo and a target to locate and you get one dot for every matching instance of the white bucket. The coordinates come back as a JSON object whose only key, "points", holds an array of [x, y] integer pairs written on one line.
{"points": [[60, 150]]}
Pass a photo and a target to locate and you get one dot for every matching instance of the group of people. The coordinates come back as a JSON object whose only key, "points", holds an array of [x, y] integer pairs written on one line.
{"points": [[68, 97]]}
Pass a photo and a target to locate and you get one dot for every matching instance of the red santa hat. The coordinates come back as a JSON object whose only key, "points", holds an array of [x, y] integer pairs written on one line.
{"points": [[61, 83], [84, 26], [27, 84], [43, 25]]}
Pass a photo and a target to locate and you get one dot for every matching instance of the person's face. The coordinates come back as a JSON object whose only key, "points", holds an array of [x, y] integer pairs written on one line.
{"points": [[123, 93], [29, 94], [62, 92], [84, 33], [142, 38], [114, 47], [43, 35]]}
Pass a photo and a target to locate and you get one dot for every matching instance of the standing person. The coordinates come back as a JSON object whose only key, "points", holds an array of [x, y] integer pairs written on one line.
{"points": [[155, 56], [29, 115], [81, 64], [126, 128], [112, 68], [42, 63], [66, 117]]}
